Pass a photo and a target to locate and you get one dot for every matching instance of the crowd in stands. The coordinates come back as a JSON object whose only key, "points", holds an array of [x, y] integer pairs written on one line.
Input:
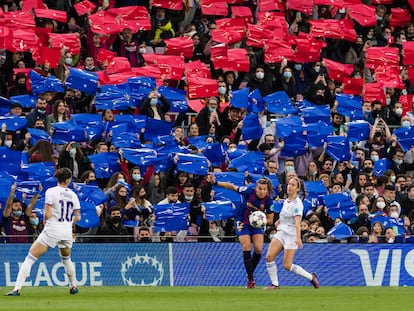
{"points": [[265, 88]]}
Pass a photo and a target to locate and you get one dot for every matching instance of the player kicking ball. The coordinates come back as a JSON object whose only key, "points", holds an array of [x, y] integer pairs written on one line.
{"points": [[62, 210]]}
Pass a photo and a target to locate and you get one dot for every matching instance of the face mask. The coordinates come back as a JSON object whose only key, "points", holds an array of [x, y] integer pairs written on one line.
{"points": [[188, 197], [381, 205], [260, 75], [405, 124], [41, 111], [394, 215], [72, 152], [313, 173], [298, 67], [231, 150], [317, 68], [222, 90], [68, 61], [388, 101], [136, 177], [211, 109], [374, 158], [142, 50], [17, 213], [398, 161], [287, 75], [153, 101], [379, 18], [289, 168], [398, 111], [368, 169], [116, 219], [34, 221], [145, 239], [8, 143], [392, 178], [386, 37]]}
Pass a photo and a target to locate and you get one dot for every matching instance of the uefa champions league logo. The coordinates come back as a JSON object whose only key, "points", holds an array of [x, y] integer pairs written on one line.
{"points": [[142, 271]]}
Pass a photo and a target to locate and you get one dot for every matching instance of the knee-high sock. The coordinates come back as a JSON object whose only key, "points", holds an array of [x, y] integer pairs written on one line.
{"points": [[247, 256], [24, 271], [255, 260], [69, 269], [272, 271], [300, 271]]}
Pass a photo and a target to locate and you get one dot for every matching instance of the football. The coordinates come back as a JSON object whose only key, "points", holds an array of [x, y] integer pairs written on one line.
{"points": [[257, 219]]}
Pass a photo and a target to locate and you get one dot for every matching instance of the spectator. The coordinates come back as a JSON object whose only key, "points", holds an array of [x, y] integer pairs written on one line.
{"points": [[113, 231], [144, 235], [38, 113], [152, 108]]}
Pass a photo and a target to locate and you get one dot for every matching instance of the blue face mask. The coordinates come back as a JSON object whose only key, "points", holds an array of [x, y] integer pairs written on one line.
{"points": [[17, 213], [34, 221], [211, 109], [298, 67], [153, 101], [287, 75]]}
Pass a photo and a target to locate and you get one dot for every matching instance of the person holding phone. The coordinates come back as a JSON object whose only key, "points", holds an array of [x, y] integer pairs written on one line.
{"points": [[72, 157]]}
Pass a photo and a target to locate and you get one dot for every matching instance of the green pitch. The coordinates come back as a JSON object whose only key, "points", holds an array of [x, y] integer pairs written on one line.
{"points": [[210, 298]]}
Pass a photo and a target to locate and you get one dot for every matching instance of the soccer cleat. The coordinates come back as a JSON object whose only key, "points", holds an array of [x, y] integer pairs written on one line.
{"points": [[315, 281], [13, 293], [272, 287], [73, 290], [251, 284]]}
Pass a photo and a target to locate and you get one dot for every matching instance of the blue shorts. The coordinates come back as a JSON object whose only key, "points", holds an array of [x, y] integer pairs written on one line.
{"points": [[243, 229]]}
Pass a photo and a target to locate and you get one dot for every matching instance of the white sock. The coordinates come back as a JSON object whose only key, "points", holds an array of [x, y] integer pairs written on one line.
{"points": [[24, 271], [69, 269], [300, 271], [272, 271]]}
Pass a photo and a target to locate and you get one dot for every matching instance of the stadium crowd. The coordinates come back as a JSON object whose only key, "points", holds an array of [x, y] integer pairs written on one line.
{"points": [[318, 90]]}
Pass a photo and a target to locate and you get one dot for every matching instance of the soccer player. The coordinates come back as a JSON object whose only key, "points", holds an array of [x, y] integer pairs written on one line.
{"points": [[288, 237], [62, 210], [255, 199]]}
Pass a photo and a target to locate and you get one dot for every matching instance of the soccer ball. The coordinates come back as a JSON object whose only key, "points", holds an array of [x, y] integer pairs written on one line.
{"points": [[257, 219]]}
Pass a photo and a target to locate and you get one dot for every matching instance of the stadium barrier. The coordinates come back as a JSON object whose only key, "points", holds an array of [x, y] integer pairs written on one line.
{"points": [[211, 264]]}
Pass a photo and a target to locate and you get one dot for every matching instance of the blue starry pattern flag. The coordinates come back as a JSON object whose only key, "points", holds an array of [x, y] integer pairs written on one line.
{"points": [[287, 126], [198, 141], [397, 224], [341, 231], [4, 105], [381, 166], [223, 194], [27, 101], [315, 190], [157, 128], [64, 132], [105, 164], [112, 97], [176, 97], [350, 106], [358, 130], [218, 210], [143, 156], [135, 122], [10, 160], [295, 145], [314, 114], [240, 98], [405, 137], [317, 133], [89, 217], [37, 134], [90, 193], [139, 88], [39, 171], [255, 102], [236, 153], [126, 140], [42, 85], [118, 128], [92, 123], [193, 164], [338, 148], [13, 123], [236, 178], [340, 205], [6, 181], [280, 103], [82, 80], [252, 128], [215, 153], [29, 187], [171, 217], [251, 161], [164, 161]]}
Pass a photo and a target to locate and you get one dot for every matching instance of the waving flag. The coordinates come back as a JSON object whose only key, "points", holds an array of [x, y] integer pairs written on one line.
{"points": [[30, 188], [84, 7], [218, 210], [82, 80], [315, 190], [37, 134], [287, 126], [92, 123], [340, 205], [126, 140], [350, 106], [358, 130], [176, 98], [112, 97], [381, 166], [223, 194], [143, 156], [171, 217], [295, 145], [240, 98], [90, 193], [56, 15], [237, 178], [279, 102], [313, 114], [405, 137], [317, 133], [27, 101], [252, 128], [341, 231], [42, 85], [64, 132], [250, 161], [215, 153], [193, 164], [10, 160], [396, 224], [105, 164], [13, 123], [89, 217], [39, 171], [338, 148], [157, 128], [256, 103]]}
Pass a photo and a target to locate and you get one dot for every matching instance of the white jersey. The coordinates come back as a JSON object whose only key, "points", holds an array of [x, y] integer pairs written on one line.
{"points": [[287, 215], [64, 202]]}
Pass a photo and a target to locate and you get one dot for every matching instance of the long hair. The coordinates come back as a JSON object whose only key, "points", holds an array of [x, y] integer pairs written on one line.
{"points": [[44, 148]]}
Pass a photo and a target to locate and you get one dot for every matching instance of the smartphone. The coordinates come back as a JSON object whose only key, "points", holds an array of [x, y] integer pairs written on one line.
{"points": [[76, 145]]}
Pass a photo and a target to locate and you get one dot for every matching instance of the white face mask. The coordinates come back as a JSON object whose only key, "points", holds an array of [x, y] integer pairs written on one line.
{"points": [[394, 215], [68, 60], [136, 177], [8, 143], [317, 68], [222, 90], [260, 75], [374, 158], [381, 205], [72, 152], [406, 124], [142, 50], [398, 111]]}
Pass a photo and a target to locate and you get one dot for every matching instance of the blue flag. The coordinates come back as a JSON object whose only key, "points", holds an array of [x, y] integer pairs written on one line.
{"points": [[37, 134], [27, 101], [112, 97], [358, 130], [381, 166], [405, 137], [157, 128], [30, 188], [171, 217], [92, 123], [396, 224], [89, 193], [340, 205], [315, 190], [288, 125], [10, 160], [314, 114], [135, 122], [239, 98], [338, 148], [218, 210], [251, 161], [82, 80], [4, 105], [64, 132], [252, 128], [280, 103], [42, 85], [176, 97], [215, 153], [223, 194], [89, 217], [350, 106], [13, 123], [39, 171], [198, 141], [126, 140], [143, 156], [105, 164], [256, 103], [236, 178], [295, 145], [193, 164], [341, 231], [317, 133]]}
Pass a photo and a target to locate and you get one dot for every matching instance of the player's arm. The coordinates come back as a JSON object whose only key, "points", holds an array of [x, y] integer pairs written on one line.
{"points": [[48, 213], [298, 219], [76, 216], [9, 202]]}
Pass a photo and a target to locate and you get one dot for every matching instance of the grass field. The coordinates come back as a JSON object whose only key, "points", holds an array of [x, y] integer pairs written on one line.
{"points": [[210, 298]]}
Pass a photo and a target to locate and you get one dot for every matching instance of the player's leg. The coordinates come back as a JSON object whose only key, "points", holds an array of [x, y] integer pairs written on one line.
{"points": [[246, 244], [290, 266], [69, 268], [274, 249], [258, 240]]}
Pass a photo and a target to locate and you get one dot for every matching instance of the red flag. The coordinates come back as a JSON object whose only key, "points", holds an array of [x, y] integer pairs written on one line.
{"points": [[50, 55], [374, 91], [238, 60], [399, 17], [274, 23], [348, 31], [214, 8], [389, 77], [155, 59], [19, 19], [408, 52], [303, 6], [225, 36], [308, 50], [257, 36], [335, 3], [103, 78], [236, 24], [131, 12], [328, 28], [202, 87], [410, 70], [383, 2], [381, 56], [42, 35], [69, 41], [122, 77], [241, 11], [56, 15], [179, 46], [28, 5], [147, 71], [105, 55], [118, 64], [353, 86], [363, 14], [277, 50], [135, 24], [196, 104], [84, 7], [411, 2], [218, 50], [271, 5], [24, 39], [338, 71], [168, 4], [407, 103], [26, 71], [104, 23], [4, 31], [197, 69]]}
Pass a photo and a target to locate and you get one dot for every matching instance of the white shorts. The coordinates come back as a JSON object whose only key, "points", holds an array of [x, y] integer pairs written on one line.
{"points": [[288, 240], [52, 242]]}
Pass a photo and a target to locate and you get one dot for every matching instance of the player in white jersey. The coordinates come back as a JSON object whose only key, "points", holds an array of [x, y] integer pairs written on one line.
{"points": [[62, 210], [288, 237]]}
